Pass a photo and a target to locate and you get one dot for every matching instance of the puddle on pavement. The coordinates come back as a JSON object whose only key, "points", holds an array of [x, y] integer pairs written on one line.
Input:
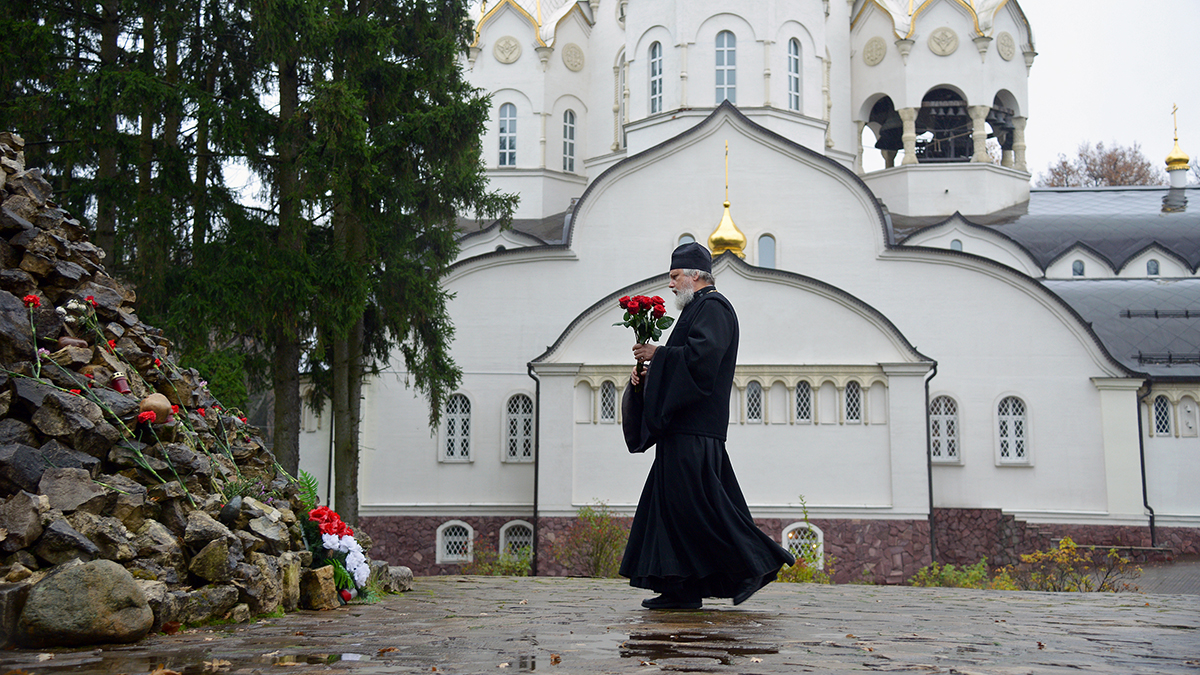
{"points": [[692, 644], [187, 663]]}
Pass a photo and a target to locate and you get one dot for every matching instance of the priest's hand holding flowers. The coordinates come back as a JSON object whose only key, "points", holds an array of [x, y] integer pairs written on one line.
{"points": [[648, 319]]}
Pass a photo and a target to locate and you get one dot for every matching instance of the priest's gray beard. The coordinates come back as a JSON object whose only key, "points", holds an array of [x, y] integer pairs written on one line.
{"points": [[684, 292]]}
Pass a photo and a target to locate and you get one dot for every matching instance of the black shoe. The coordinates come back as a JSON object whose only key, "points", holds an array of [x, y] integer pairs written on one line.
{"points": [[667, 601]]}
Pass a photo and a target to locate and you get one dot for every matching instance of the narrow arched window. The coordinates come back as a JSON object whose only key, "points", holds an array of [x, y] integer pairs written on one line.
{"points": [[943, 429], [515, 536], [458, 428], [454, 542], [608, 402], [519, 429], [806, 542], [754, 403], [686, 239], [804, 403], [1077, 268], [508, 135], [853, 403], [1010, 418], [794, 75], [1162, 416], [766, 251], [955, 244], [656, 78], [1152, 268], [569, 141], [726, 67]]}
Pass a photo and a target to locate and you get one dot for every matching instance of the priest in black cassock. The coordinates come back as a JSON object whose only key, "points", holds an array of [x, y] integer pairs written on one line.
{"points": [[692, 536]]}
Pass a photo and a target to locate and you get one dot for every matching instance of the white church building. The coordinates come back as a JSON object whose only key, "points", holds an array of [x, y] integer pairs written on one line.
{"points": [[936, 362]]}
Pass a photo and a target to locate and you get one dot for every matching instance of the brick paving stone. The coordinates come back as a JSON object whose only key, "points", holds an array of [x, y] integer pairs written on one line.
{"points": [[470, 625]]}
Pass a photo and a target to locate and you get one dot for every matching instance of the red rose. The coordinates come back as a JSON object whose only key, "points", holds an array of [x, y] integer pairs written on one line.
{"points": [[632, 307], [32, 301], [659, 310], [656, 300], [624, 301], [147, 416]]}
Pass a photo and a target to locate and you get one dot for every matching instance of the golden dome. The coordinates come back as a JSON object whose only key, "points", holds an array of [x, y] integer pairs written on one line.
{"points": [[1178, 159], [727, 237]]}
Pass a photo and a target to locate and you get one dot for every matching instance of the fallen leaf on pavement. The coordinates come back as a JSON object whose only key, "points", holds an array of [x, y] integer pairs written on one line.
{"points": [[387, 649], [555, 659], [45, 657]]}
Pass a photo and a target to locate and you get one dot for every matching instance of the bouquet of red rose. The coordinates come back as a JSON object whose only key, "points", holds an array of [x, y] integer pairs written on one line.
{"points": [[646, 316]]}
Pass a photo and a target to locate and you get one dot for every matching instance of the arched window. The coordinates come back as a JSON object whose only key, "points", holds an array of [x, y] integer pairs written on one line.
{"points": [[1077, 268], [1010, 418], [853, 403], [943, 429], [508, 135], [754, 403], [608, 402], [806, 542], [455, 542], [766, 251], [656, 78], [1152, 268], [514, 536], [686, 239], [458, 429], [1162, 416], [569, 141], [955, 244], [804, 401], [726, 67], [794, 75], [519, 429]]}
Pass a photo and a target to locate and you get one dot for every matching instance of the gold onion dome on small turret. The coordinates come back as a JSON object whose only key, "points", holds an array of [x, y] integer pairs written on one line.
{"points": [[727, 237], [1178, 159]]}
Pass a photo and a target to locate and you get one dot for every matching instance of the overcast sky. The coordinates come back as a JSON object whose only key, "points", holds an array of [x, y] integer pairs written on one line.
{"points": [[1109, 71]]}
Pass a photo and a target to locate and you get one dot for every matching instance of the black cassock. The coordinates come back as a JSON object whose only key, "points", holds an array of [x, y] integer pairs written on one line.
{"points": [[693, 533]]}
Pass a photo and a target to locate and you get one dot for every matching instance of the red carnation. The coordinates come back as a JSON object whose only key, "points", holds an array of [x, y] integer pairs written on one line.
{"points": [[76, 391], [201, 411], [32, 301], [89, 376], [243, 419], [216, 406], [174, 410], [91, 300], [147, 416], [112, 344], [157, 363]]}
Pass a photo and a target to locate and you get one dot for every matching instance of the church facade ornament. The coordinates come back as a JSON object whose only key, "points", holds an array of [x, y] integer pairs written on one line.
{"points": [[1006, 46], [572, 57], [874, 51], [943, 41], [507, 49]]}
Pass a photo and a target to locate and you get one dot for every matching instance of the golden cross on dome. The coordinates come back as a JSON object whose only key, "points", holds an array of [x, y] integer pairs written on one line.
{"points": [[1174, 120]]}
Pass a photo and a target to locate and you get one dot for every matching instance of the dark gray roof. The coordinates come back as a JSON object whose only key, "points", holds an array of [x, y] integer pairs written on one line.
{"points": [[1116, 223], [1150, 325], [549, 229]]}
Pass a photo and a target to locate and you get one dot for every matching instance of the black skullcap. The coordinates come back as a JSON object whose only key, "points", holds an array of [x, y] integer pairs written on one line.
{"points": [[691, 256]]}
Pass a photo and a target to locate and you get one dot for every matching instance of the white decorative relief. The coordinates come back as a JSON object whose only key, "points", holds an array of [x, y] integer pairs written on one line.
{"points": [[507, 49], [1006, 46], [572, 56], [943, 41], [874, 51]]}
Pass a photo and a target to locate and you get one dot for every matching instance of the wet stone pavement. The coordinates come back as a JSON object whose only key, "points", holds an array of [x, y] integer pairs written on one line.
{"points": [[456, 625]]}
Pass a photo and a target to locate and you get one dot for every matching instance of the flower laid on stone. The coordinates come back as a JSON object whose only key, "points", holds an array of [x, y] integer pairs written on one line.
{"points": [[147, 416], [32, 301], [341, 548]]}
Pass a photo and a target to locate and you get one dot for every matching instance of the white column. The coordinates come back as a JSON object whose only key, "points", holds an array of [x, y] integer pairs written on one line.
{"points": [[767, 73], [542, 140], [683, 76], [858, 156], [1019, 143], [906, 422], [909, 136], [978, 115], [1119, 412]]}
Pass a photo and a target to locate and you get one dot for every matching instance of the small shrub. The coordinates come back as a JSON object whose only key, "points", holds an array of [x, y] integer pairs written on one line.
{"points": [[488, 562], [1069, 569], [594, 543], [806, 572], [967, 576]]}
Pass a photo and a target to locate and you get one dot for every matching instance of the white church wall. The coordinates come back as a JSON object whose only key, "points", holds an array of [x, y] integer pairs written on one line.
{"points": [[977, 241], [1172, 469]]}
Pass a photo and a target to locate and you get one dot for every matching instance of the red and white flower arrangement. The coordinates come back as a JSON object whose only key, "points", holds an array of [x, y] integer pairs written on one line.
{"points": [[341, 549]]}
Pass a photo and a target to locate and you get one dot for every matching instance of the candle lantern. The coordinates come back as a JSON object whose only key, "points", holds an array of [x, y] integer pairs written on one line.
{"points": [[120, 383]]}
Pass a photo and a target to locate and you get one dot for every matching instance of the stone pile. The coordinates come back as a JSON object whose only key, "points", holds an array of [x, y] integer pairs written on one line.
{"points": [[130, 499]]}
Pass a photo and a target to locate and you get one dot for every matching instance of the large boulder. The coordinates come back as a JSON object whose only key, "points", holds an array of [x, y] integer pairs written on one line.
{"points": [[212, 563], [87, 603]]}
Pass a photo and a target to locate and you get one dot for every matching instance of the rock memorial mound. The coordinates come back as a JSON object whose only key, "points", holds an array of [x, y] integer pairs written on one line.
{"points": [[120, 472]]}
